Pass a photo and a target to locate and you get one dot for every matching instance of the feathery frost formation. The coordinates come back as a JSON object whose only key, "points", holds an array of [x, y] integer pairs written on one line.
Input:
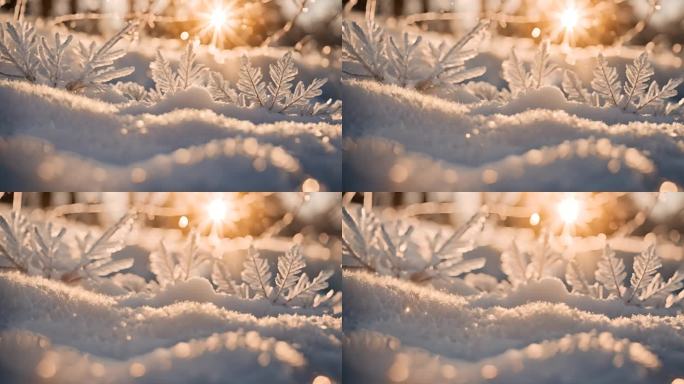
{"points": [[522, 267], [291, 287], [252, 91], [520, 79], [45, 251], [637, 95], [646, 285], [171, 267], [37, 61], [407, 63], [390, 248]]}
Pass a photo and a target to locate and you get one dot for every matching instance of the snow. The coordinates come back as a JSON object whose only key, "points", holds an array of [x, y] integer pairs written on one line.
{"points": [[537, 333], [178, 336], [186, 141], [186, 331], [538, 140]]}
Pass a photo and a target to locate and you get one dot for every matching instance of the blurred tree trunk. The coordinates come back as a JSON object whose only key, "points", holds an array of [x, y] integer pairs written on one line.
{"points": [[45, 8], [398, 8]]}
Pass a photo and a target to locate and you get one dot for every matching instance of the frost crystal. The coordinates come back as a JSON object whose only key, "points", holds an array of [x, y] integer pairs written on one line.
{"points": [[20, 49], [97, 64], [520, 80], [637, 95], [522, 267], [647, 287], [42, 251], [277, 96], [409, 64], [611, 272], [51, 58], [170, 267], [390, 249], [169, 82], [292, 287]]}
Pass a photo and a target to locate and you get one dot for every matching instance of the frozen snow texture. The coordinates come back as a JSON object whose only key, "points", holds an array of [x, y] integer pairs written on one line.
{"points": [[67, 141], [117, 139], [480, 136], [58, 333], [537, 332], [537, 141]]}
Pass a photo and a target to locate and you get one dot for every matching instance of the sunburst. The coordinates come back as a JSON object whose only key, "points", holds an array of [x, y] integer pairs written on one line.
{"points": [[571, 21]]}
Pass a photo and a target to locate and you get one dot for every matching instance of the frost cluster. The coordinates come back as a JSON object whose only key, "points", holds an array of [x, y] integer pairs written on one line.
{"points": [[45, 251], [39, 60], [391, 249], [407, 62]]}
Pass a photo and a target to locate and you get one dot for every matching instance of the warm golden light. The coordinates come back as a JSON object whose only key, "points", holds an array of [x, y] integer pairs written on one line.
{"points": [[217, 17], [569, 18], [569, 209], [571, 21], [220, 20], [217, 210], [535, 219]]}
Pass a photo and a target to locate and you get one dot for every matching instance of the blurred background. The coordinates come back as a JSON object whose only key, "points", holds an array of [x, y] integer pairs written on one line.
{"points": [[579, 223], [576, 22], [221, 23], [227, 222]]}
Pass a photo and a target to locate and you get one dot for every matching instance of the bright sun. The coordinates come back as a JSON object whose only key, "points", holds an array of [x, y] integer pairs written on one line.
{"points": [[220, 21], [569, 209], [569, 18], [571, 21], [217, 210], [217, 17]]}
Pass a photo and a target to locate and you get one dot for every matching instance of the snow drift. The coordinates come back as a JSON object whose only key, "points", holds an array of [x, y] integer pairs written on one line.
{"points": [[537, 332], [57, 333]]}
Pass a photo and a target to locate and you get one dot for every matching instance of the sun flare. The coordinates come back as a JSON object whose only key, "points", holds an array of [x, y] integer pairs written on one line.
{"points": [[569, 18], [569, 209], [220, 21], [217, 210], [217, 17], [571, 21]]}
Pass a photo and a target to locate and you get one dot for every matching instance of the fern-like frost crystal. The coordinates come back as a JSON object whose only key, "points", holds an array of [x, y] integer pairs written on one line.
{"points": [[390, 249], [370, 52], [171, 267], [96, 63], [43, 250], [520, 80], [291, 286]]}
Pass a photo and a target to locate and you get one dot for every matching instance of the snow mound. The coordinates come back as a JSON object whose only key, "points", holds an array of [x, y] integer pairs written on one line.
{"points": [[600, 164], [184, 141], [69, 335], [517, 145], [538, 333]]}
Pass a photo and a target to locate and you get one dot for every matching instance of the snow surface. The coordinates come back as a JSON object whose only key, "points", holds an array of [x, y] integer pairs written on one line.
{"points": [[51, 139], [402, 140], [98, 332], [51, 332], [536, 333]]}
